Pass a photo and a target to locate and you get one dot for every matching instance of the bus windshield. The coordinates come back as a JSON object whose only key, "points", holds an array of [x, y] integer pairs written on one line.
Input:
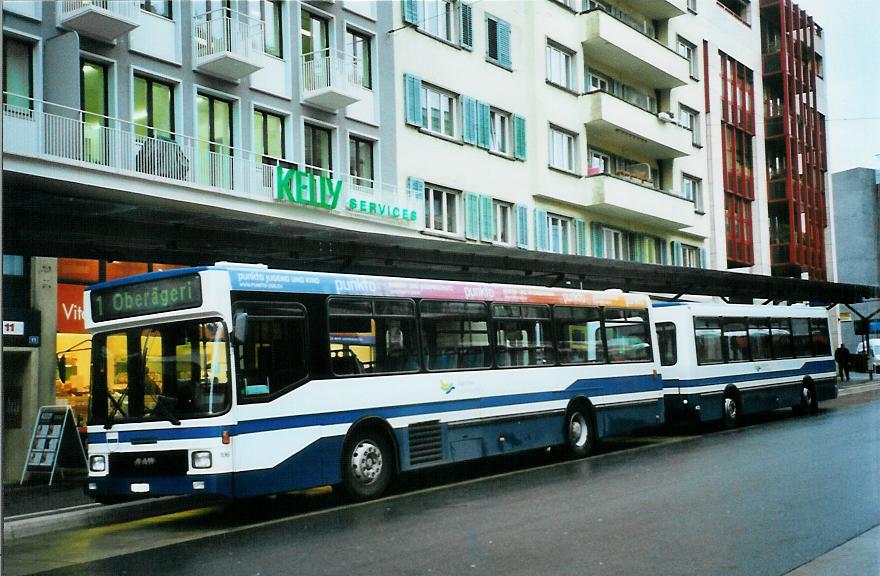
{"points": [[167, 372]]}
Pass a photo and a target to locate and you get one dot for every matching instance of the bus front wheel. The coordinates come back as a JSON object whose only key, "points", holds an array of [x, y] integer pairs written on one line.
{"points": [[367, 466], [580, 433]]}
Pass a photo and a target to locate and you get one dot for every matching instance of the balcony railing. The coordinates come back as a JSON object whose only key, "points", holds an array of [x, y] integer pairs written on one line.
{"points": [[101, 19], [39, 130], [331, 78], [227, 44]]}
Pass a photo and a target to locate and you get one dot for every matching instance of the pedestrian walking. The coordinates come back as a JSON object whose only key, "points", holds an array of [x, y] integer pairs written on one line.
{"points": [[841, 356]]}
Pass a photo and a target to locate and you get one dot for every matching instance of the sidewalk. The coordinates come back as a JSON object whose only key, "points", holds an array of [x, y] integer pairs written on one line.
{"points": [[36, 507]]}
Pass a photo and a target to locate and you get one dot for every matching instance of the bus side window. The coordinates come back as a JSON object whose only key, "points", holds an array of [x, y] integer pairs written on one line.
{"points": [[666, 341], [707, 335]]}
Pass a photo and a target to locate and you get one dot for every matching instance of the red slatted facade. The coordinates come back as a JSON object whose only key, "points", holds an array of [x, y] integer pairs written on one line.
{"points": [[737, 134], [795, 141]]}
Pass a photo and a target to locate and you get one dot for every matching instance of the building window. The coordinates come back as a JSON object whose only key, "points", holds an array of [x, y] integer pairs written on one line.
{"points": [[438, 111], [269, 136], [613, 244], [498, 41], [689, 52], [559, 66], [499, 125], [358, 47], [691, 189], [689, 120], [690, 256], [739, 8], [153, 108], [94, 103], [562, 149], [439, 18], [692, 5], [269, 13], [215, 140], [314, 36], [319, 153], [653, 250], [503, 214], [820, 67], [598, 81], [18, 74], [441, 209], [360, 161], [157, 7], [558, 234]]}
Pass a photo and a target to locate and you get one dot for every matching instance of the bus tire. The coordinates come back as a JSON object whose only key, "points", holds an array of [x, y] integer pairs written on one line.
{"points": [[731, 409], [809, 404], [580, 432], [367, 465]]}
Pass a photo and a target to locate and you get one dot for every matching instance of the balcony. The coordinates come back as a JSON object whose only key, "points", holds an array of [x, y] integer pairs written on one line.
{"points": [[52, 142], [610, 120], [621, 197], [103, 20], [620, 47], [331, 79], [656, 9], [227, 44]]}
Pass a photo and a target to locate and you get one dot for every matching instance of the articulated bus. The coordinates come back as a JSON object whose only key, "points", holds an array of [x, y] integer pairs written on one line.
{"points": [[721, 361], [240, 381]]}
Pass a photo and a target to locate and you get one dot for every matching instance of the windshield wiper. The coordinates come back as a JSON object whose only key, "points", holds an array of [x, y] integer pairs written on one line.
{"points": [[162, 403]]}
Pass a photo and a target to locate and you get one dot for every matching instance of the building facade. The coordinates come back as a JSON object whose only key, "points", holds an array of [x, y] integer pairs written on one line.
{"points": [[632, 130]]}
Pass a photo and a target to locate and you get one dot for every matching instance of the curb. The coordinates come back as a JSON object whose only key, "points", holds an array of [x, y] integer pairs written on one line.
{"points": [[92, 515]]}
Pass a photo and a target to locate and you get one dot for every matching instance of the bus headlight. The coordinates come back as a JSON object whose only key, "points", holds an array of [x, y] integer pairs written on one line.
{"points": [[97, 463], [201, 459]]}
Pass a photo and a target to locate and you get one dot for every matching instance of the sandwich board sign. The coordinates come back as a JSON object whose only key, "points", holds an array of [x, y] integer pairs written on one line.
{"points": [[54, 443]]}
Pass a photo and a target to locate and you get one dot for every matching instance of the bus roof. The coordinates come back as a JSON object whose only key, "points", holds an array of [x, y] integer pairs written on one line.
{"points": [[738, 310], [260, 279]]}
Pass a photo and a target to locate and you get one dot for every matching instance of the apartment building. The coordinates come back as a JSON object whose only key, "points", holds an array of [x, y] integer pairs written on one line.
{"points": [[631, 130]]}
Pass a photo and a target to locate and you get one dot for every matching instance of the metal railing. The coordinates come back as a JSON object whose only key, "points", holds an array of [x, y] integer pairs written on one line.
{"points": [[331, 68], [225, 30], [40, 130], [122, 8]]}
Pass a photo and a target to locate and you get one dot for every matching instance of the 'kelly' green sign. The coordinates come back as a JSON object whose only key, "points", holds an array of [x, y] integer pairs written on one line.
{"points": [[301, 187]]}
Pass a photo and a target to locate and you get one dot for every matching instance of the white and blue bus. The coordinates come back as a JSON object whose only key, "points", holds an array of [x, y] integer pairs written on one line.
{"points": [[721, 361], [241, 381]]}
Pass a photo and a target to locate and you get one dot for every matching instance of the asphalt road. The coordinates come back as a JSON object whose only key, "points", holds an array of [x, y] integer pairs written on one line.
{"points": [[761, 500]]}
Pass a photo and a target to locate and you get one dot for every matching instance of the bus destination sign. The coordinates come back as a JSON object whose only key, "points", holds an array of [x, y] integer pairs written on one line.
{"points": [[176, 293]]}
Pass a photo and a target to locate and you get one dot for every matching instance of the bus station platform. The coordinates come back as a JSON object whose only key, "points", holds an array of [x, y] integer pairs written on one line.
{"points": [[38, 508]]}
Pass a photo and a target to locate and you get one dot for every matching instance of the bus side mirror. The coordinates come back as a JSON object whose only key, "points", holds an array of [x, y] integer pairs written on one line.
{"points": [[239, 327]]}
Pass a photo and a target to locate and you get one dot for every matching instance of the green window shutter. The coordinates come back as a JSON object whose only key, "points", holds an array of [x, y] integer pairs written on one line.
{"points": [[664, 252], [504, 44], [540, 230], [466, 25], [580, 236], [487, 220], [412, 99], [471, 216], [676, 253], [597, 238], [522, 226], [415, 187], [412, 12], [469, 119], [484, 137], [704, 258], [519, 137]]}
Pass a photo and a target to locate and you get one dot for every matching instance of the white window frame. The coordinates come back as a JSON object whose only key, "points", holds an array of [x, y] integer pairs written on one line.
{"points": [[500, 121], [426, 102], [615, 248], [558, 233], [691, 189], [560, 65], [689, 119], [566, 142], [444, 11], [502, 213], [596, 81], [688, 50], [690, 256], [430, 192], [692, 6]]}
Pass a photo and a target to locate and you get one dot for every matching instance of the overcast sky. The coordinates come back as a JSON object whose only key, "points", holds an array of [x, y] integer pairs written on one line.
{"points": [[852, 74]]}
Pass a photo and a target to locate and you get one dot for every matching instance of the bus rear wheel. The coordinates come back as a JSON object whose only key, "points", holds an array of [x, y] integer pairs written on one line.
{"points": [[730, 411], [808, 403], [367, 466], [580, 433]]}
